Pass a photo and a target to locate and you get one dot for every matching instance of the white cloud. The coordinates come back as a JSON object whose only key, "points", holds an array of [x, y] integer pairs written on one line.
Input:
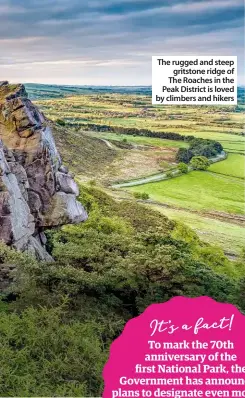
{"points": [[111, 46], [205, 6]]}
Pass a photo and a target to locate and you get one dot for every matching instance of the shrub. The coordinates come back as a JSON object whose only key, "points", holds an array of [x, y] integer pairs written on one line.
{"points": [[183, 233], [169, 174], [183, 168], [57, 331], [199, 163], [41, 355], [141, 195]]}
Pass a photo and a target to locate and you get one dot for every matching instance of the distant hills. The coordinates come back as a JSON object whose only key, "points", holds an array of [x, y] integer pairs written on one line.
{"points": [[42, 91], [49, 91]]}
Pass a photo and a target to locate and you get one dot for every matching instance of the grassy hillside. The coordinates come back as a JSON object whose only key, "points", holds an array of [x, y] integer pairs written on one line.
{"points": [[85, 155], [94, 157], [211, 229], [59, 320]]}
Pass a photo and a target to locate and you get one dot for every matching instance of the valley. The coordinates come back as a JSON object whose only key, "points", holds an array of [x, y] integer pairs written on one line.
{"points": [[127, 162]]}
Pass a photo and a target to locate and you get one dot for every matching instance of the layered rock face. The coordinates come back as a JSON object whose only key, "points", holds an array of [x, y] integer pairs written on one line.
{"points": [[36, 191]]}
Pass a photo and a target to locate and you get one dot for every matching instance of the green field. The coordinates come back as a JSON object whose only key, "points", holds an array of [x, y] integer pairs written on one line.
{"points": [[230, 237], [200, 191], [233, 146], [233, 166], [156, 142]]}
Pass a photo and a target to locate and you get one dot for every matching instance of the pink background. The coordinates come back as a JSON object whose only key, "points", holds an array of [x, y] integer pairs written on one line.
{"points": [[130, 348]]}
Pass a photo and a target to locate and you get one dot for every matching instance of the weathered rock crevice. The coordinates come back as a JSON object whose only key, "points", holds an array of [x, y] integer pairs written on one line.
{"points": [[36, 191]]}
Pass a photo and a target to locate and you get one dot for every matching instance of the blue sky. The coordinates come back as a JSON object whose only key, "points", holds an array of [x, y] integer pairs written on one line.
{"points": [[110, 42]]}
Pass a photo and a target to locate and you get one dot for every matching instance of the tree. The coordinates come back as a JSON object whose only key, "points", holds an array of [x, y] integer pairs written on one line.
{"points": [[183, 168], [184, 155], [199, 163], [61, 122], [219, 148]]}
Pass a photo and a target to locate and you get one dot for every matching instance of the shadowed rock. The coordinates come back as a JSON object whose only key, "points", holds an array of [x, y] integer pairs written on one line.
{"points": [[36, 190]]}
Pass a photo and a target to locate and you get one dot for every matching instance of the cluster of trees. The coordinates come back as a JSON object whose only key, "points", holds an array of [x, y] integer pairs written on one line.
{"points": [[203, 147], [196, 163], [59, 319], [135, 131], [199, 147]]}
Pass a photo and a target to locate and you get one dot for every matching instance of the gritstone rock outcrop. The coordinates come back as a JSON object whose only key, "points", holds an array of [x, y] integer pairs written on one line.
{"points": [[36, 191]]}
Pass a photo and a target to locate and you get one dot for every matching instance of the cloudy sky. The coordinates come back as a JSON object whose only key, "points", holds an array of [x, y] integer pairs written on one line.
{"points": [[110, 42]]}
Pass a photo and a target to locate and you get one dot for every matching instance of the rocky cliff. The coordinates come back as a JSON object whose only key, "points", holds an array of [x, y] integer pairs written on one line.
{"points": [[36, 191]]}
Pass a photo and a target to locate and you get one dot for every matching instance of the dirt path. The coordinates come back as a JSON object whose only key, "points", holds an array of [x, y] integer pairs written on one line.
{"points": [[108, 143], [218, 215]]}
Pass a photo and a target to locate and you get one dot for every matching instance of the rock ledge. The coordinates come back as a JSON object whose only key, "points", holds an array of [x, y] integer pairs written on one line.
{"points": [[36, 191]]}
